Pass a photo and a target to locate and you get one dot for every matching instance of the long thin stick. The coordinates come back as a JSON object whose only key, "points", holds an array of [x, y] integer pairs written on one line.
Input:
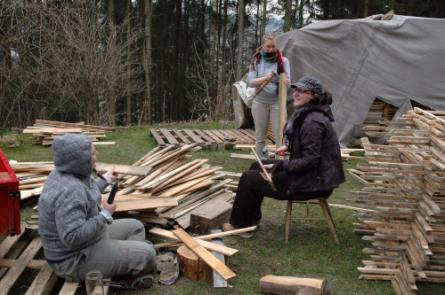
{"points": [[268, 178]]}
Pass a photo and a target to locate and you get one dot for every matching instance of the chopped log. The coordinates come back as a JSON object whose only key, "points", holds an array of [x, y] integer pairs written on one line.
{"points": [[192, 267], [283, 285], [205, 255]]}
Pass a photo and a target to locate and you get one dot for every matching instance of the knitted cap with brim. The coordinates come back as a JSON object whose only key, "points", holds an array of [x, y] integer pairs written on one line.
{"points": [[308, 83]]}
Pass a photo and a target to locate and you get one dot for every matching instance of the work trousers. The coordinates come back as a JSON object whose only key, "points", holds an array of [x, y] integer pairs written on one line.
{"points": [[261, 112], [253, 188], [123, 251]]}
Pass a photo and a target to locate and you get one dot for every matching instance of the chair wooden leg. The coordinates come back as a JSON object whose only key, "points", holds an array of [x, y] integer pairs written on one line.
{"points": [[287, 221], [328, 216]]}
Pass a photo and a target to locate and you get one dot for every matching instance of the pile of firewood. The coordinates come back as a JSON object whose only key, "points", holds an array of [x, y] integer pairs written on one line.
{"points": [[405, 196], [44, 131]]}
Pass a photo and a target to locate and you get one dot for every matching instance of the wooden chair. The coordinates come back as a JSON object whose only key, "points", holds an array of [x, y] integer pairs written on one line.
{"points": [[326, 212]]}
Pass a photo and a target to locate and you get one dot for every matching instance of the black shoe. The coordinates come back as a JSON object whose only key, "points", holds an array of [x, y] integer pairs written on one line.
{"points": [[142, 282]]}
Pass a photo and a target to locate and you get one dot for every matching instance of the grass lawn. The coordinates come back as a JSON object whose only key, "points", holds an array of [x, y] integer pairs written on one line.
{"points": [[311, 251]]}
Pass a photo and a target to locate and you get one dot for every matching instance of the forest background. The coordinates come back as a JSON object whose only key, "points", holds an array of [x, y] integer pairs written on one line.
{"points": [[124, 62]]}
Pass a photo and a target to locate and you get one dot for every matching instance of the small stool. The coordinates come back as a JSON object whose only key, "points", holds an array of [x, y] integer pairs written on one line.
{"points": [[326, 212]]}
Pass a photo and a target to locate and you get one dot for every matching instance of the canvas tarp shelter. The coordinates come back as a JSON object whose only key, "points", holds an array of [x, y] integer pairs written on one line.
{"points": [[361, 59]]}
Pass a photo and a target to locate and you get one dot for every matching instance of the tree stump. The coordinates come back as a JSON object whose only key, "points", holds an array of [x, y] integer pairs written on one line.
{"points": [[282, 285], [192, 267]]}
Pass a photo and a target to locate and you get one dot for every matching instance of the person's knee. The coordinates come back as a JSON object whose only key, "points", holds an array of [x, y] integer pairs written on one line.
{"points": [[137, 231], [149, 258]]}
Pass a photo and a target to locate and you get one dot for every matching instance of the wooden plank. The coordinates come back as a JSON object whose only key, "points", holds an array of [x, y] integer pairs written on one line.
{"points": [[242, 156], [157, 137], [123, 169], [206, 244], [14, 272], [69, 288], [204, 136], [216, 134], [104, 143], [52, 130], [67, 124], [282, 102], [44, 281], [249, 133], [170, 138], [182, 187], [175, 174], [33, 264], [150, 203], [271, 284], [221, 135], [9, 242], [215, 235], [213, 136], [181, 136], [204, 254], [195, 138]]}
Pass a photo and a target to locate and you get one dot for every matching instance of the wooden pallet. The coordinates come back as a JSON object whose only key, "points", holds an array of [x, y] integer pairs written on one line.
{"points": [[211, 139], [22, 266]]}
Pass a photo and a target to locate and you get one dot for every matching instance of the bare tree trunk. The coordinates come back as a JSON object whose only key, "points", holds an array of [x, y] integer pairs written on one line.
{"points": [[391, 5], [177, 93], [239, 60], [287, 15], [411, 7], [300, 13], [257, 24], [147, 61], [111, 96], [365, 9], [128, 105], [263, 20]]}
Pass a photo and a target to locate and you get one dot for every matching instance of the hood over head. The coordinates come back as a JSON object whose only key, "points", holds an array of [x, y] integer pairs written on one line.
{"points": [[72, 154]]}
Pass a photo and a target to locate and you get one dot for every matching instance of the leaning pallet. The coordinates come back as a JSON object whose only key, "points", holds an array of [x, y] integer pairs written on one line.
{"points": [[209, 139], [404, 188], [20, 268]]}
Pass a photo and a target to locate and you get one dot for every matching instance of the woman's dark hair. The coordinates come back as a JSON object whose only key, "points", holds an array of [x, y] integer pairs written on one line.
{"points": [[322, 99]]}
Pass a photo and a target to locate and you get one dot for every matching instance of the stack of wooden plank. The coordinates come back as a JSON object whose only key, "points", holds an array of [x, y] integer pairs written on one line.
{"points": [[379, 116], [163, 187], [44, 131], [211, 139], [31, 176], [404, 186], [186, 184]]}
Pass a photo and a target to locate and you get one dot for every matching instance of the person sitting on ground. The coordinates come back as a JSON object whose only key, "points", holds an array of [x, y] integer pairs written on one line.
{"points": [[314, 167], [76, 225]]}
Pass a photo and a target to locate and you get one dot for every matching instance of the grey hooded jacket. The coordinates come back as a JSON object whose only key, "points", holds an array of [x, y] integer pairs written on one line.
{"points": [[69, 218]]}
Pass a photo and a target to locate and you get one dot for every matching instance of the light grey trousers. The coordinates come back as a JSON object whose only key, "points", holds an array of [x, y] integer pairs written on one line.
{"points": [[123, 251], [261, 112]]}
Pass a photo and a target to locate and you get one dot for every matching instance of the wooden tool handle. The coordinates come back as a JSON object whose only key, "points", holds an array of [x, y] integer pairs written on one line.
{"points": [[268, 177]]}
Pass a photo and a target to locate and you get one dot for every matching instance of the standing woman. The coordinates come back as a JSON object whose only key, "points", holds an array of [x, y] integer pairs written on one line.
{"points": [[267, 64], [313, 169]]}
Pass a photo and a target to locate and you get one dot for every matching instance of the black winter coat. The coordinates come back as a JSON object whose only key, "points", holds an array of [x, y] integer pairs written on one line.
{"points": [[315, 159]]}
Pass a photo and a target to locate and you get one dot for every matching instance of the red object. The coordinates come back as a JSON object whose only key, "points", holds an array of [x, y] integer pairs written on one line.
{"points": [[9, 199]]}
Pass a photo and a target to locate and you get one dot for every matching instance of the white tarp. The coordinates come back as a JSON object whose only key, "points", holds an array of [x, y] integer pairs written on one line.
{"points": [[358, 60]]}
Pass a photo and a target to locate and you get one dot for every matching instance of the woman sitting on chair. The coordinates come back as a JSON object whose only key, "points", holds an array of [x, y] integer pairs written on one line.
{"points": [[313, 169]]}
